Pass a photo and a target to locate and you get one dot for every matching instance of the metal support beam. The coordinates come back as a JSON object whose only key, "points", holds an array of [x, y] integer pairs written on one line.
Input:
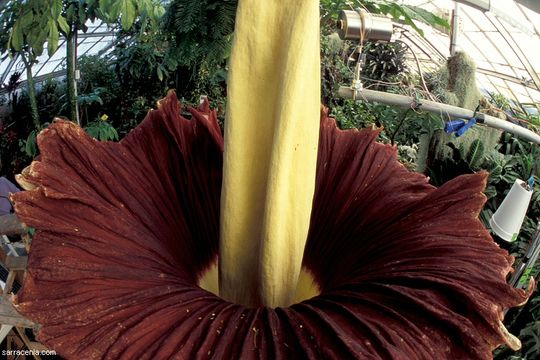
{"points": [[523, 82], [484, 5], [515, 47]]}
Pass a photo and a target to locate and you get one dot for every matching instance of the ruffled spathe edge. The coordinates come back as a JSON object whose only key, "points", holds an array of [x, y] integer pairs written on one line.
{"points": [[406, 270], [420, 245]]}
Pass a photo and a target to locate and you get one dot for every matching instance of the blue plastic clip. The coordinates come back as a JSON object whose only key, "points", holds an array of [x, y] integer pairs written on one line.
{"points": [[531, 182], [465, 127], [453, 125]]}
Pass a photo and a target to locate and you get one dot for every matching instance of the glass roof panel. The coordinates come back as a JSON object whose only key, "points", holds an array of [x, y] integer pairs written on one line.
{"points": [[503, 42], [97, 40]]}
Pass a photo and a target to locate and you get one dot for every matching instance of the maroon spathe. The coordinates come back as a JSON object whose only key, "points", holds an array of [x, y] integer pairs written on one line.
{"points": [[125, 230]]}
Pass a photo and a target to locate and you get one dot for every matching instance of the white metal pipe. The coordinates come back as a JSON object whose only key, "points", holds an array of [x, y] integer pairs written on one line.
{"points": [[455, 30], [483, 5], [509, 127], [439, 108]]}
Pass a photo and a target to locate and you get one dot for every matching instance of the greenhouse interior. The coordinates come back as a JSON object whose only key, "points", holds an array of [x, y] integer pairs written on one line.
{"points": [[254, 179]]}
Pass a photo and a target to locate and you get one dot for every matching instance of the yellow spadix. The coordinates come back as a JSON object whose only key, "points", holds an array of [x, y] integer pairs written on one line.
{"points": [[271, 138]]}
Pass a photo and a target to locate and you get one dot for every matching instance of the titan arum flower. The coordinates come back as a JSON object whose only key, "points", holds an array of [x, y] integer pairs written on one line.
{"points": [[291, 239]]}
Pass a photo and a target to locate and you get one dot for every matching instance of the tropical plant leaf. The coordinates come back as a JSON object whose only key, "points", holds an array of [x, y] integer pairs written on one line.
{"points": [[26, 19], [426, 16], [16, 39], [101, 130], [56, 9], [475, 153], [30, 146], [128, 13], [63, 25], [52, 43]]}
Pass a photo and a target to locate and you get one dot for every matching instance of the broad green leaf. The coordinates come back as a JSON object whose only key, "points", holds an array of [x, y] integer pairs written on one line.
{"points": [[115, 9], [63, 25], [16, 39], [26, 19], [428, 17], [476, 153], [43, 34], [144, 6], [409, 16], [52, 43], [159, 73], [43, 23], [38, 47], [128, 14], [32, 37], [101, 130], [81, 15], [159, 11], [71, 13], [56, 9], [105, 7], [30, 146]]}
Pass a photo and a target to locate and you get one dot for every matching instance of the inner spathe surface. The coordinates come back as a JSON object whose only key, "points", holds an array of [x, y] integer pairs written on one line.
{"points": [[306, 287]]}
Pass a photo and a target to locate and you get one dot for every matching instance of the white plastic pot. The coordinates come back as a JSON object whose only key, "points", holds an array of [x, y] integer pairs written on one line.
{"points": [[507, 220]]}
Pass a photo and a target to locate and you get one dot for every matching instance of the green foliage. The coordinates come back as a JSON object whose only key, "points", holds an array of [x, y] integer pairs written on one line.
{"points": [[98, 77], [200, 31], [19, 147], [127, 11], [211, 83], [11, 158], [30, 24], [476, 153], [49, 101], [530, 340], [89, 100], [107, 86], [385, 64], [353, 114], [136, 60], [329, 12], [334, 72], [499, 100], [101, 130], [30, 144], [527, 114]]}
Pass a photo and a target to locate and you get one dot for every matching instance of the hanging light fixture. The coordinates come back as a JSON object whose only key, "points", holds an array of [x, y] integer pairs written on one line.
{"points": [[361, 25]]}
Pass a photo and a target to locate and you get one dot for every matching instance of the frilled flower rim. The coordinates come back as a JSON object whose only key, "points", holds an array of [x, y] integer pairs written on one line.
{"points": [[125, 232]]}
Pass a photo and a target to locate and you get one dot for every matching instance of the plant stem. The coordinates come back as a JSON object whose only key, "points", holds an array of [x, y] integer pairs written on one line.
{"points": [[401, 122], [71, 54], [31, 91]]}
